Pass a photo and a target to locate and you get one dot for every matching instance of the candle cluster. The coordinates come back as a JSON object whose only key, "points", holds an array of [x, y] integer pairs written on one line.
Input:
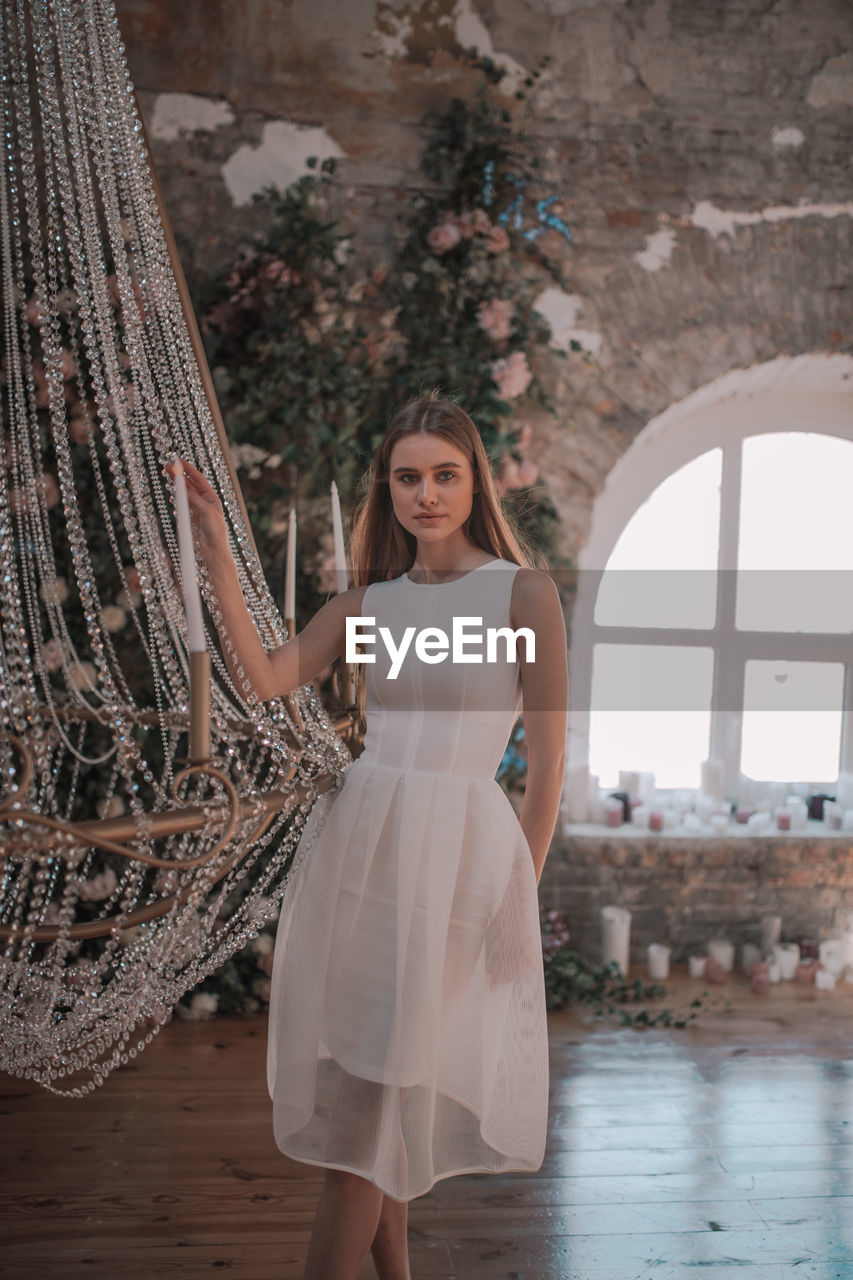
{"points": [[768, 961], [751, 807]]}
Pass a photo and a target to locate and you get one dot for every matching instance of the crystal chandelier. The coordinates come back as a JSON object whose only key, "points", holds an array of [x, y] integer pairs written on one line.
{"points": [[135, 858]]}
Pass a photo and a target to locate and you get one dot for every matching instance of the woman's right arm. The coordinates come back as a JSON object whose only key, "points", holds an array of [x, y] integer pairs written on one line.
{"points": [[293, 664]]}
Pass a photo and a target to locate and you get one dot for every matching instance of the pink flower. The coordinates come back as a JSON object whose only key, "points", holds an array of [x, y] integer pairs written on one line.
{"points": [[80, 429], [497, 240], [508, 475], [133, 579], [51, 655], [512, 375], [99, 887], [528, 473], [49, 489], [495, 318], [443, 236]]}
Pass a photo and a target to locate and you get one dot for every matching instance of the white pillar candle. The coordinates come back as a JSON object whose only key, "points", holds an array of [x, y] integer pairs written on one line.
{"points": [[774, 971], [799, 813], [657, 955], [832, 955], [290, 569], [616, 936], [189, 571], [825, 979], [787, 955], [723, 951], [832, 812], [629, 780], [771, 932], [696, 966], [713, 778], [338, 535]]}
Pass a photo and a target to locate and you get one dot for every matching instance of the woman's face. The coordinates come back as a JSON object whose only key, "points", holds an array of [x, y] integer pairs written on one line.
{"points": [[432, 486]]}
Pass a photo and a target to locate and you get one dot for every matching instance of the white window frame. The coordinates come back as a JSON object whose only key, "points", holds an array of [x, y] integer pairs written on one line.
{"points": [[811, 393]]}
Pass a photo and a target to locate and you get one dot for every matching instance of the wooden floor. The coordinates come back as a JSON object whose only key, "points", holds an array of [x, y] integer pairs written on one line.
{"points": [[723, 1152]]}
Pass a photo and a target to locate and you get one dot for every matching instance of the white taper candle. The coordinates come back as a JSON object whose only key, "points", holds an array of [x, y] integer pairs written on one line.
{"points": [[189, 572], [290, 570], [338, 534]]}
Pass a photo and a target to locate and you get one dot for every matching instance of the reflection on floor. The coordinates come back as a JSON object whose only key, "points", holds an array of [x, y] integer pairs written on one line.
{"points": [[724, 1152]]}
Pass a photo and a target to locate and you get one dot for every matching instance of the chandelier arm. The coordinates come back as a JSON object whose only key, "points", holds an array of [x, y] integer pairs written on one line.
{"points": [[274, 802]]}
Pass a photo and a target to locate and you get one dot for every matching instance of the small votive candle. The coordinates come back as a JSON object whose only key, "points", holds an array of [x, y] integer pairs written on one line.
{"points": [[806, 971], [758, 821], [787, 954], [783, 818], [696, 966], [759, 979], [743, 815], [657, 957], [832, 813], [723, 951], [656, 820], [614, 812]]}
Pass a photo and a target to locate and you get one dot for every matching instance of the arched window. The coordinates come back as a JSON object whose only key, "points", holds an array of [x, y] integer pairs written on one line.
{"points": [[715, 602]]}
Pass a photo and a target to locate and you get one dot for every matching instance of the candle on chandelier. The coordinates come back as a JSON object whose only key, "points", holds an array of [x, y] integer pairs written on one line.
{"points": [[189, 572], [290, 570], [338, 534]]}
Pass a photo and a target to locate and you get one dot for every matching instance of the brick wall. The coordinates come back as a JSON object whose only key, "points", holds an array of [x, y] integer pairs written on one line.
{"points": [[684, 891]]}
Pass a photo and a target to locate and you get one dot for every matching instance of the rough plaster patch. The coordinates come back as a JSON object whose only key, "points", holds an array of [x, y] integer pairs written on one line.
{"points": [[562, 310], [833, 84], [790, 137], [178, 113], [471, 31], [391, 40], [658, 250], [278, 161], [718, 222]]}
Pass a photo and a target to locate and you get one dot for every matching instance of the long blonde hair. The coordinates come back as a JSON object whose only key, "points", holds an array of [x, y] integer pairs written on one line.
{"points": [[381, 549]]}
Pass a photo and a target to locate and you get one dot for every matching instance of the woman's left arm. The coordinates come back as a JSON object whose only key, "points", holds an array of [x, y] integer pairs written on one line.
{"points": [[544, 681]]}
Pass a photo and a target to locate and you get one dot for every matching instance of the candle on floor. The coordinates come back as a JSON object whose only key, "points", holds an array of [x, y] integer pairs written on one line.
{"points": [[787, 954], [696, 966], [723, 951], [657, 958], [771, 933]]}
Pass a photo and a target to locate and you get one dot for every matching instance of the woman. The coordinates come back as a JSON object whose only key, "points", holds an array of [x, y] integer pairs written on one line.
{"points": [[407, 1037]]}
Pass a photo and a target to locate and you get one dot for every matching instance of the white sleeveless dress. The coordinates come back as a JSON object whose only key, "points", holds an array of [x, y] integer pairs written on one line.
{"points": [[407, 1031]]}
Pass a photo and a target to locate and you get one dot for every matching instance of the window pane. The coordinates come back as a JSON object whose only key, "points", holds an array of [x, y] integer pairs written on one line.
{"points": [[662, 571], [795, 553], [792, 721], [651, 710]]}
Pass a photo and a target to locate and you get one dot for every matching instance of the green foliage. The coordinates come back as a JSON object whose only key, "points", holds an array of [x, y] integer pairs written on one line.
{"points": [[572, 979]]}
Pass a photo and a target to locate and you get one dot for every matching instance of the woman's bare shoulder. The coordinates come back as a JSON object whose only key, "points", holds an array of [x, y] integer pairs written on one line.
{"points": [[533, 593]]}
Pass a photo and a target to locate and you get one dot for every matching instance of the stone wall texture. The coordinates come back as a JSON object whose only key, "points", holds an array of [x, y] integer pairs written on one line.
{"points": [[702, 153], [701, 149]]}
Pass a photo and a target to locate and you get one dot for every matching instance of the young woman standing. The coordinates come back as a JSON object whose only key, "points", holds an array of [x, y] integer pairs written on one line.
{"points": [[407, 1034]]}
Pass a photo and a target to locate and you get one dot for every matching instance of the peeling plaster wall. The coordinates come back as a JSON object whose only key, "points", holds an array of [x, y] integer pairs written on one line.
{"points": [[701, 148]]}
